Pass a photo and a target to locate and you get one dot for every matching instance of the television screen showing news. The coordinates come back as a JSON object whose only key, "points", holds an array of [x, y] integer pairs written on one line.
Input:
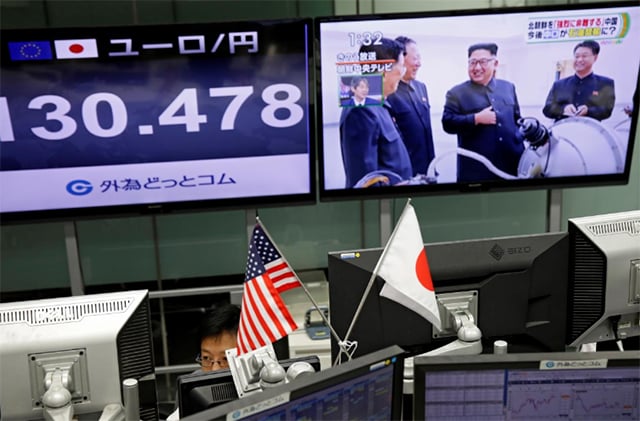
{"points": [[167, 116], [512, 98]]}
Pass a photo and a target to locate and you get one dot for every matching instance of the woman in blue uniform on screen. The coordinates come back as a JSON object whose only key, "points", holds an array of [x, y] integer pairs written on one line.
{"points": [[369, 138]]}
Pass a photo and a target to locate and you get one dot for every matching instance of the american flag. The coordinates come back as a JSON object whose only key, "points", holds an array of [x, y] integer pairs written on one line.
{"points": [[264, 317], [281, 275]]}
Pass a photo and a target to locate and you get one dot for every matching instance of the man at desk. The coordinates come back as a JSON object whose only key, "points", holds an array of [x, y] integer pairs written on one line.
{"points": [[218, 332]]}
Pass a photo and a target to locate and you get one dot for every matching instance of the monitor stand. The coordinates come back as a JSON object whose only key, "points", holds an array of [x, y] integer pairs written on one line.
{"points": [[469, 340], [57, 404], [459, 308], [56, 400]]}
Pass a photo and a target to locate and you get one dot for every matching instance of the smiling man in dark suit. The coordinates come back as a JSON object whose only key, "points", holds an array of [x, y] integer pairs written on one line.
{"points": [[412, 112], [484, 112], [584, 93]]}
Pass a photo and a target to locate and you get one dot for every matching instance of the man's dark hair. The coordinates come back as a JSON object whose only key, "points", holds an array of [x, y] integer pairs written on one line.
{"points": [[355, 81], [385, 49], [489, 46], [221, 319], [590, 44], [404, 41]]}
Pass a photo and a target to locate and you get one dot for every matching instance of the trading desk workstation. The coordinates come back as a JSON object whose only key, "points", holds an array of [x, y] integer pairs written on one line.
{"points": [[533, 359]]}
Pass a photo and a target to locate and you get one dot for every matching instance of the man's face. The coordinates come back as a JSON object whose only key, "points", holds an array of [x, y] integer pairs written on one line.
{"points": [[392, 77], [212, 351], [482, 66], [411, 61], [583, 59], [361, 90]]}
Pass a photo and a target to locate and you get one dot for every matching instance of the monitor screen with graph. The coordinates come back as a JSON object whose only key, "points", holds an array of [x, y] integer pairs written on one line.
{"points": [[562, 385]]}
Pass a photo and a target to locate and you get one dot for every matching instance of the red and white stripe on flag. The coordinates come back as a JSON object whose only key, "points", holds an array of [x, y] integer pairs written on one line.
{"points": [[282, 276], [264, 317], [279, 271]]}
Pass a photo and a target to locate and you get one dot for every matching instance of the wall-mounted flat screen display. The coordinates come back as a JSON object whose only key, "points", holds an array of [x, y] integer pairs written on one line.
{"points": [[155, 118], [477, 100]]}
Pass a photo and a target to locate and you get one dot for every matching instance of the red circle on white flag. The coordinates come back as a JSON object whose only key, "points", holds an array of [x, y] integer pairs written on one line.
{"points": [[422, 270], [76, 48]]}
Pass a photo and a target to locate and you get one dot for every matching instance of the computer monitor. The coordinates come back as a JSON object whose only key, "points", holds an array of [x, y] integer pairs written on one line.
{"points": [[369, 387], [604, 278], [200, 391], [557, 385], [86, 344], [433, 110], [139, 119], [514, 287]]}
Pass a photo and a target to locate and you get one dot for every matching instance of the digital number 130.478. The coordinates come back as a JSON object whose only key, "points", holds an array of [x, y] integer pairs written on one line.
{"points": [[183, 110]]}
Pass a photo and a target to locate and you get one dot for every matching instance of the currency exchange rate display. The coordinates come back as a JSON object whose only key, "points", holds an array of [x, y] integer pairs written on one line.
{"points": [[143, 118]]}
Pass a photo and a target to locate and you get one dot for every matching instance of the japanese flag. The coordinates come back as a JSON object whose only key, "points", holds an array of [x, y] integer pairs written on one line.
{"points": [[76, 48], [405, 269]]}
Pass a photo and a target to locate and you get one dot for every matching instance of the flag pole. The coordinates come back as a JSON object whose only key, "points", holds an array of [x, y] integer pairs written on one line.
{"points": [[304, 288], [374, 273]]}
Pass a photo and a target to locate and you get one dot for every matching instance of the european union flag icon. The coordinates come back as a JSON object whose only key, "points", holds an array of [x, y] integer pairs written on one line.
{"points": [[30, 50]]}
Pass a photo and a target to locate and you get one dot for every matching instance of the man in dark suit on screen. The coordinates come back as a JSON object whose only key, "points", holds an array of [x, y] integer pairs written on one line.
{"points": [[484, 112], [584, 93], [360, 93], [412, 112]]}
